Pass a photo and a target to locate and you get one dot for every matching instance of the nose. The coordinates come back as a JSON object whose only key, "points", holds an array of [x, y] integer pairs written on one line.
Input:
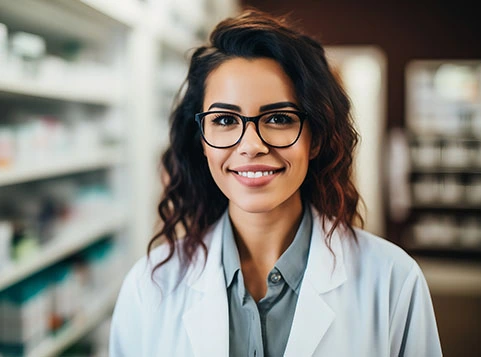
{"points": [[251, 144]]}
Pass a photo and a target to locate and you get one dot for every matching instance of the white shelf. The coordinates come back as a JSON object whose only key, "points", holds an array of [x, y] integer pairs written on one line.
{"points": [[72, 19], [95, 94], [89, 20], [127, 12], [98, 308], [448, 277], [73, 237], [61, 166]]}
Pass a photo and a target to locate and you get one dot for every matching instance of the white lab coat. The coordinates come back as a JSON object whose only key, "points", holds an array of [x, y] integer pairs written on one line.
{"points": [[375, 302]]}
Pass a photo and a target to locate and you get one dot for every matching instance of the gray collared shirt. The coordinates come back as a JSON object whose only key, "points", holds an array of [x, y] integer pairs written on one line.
{"points": [[263, 329]]}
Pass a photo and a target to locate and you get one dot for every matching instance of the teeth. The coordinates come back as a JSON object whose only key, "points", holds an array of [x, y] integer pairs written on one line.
{"points": [[252, 174]]}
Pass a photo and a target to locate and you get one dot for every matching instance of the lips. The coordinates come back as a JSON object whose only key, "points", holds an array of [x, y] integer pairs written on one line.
{"points": [[255, 175]]}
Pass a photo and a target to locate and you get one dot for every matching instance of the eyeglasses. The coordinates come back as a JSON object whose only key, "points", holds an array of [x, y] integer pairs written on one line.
{"points": [[279, 129]]}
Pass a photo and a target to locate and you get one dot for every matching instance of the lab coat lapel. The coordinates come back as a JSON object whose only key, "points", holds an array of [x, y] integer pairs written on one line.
{"points": [[207, 322], [313, 316], [311, 321]]}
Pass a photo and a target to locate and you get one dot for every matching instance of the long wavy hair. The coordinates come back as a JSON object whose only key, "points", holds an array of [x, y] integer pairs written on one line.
{"points": [[191, 201]]}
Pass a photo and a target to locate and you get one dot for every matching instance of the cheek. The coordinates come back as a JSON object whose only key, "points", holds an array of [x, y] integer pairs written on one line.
{"points": [[306, 151], [301, 164], [302, 157], [215, 159]]}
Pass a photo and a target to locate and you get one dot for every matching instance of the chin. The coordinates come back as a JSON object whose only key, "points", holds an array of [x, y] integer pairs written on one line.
{"points": [[254, 206]]}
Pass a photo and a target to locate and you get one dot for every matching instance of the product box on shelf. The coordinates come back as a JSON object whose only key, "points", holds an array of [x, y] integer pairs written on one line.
{"points": [[47, 302], [24, 308], [6, 237]]}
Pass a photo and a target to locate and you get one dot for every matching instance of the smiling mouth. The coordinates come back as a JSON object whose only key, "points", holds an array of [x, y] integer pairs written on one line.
{"points": [[256, 174]]}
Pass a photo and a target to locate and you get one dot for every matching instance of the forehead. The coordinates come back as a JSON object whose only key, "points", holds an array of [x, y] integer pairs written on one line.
{"points": [[248, 83]]}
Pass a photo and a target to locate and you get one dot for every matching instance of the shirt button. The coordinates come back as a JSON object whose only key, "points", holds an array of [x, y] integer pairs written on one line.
{"points": [[275, 278]]}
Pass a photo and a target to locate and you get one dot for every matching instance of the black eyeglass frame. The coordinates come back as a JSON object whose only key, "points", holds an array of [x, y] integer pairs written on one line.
{"points": [[199, 116]]}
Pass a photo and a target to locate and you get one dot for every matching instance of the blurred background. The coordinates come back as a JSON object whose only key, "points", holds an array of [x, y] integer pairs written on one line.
{"points": [[85, 90]]}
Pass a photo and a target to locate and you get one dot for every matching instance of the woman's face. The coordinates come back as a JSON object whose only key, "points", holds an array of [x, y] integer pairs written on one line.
{"points": [[251, 87]]}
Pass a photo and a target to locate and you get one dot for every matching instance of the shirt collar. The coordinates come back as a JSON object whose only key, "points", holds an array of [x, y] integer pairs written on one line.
{"points": [[292, 263], [230, 254]]}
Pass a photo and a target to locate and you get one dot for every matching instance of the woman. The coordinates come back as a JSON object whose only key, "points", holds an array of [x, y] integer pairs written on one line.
{"points": [[259, 254]]}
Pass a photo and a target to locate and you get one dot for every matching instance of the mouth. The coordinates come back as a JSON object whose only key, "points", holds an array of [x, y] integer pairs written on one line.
{"points": [[257, 174]]}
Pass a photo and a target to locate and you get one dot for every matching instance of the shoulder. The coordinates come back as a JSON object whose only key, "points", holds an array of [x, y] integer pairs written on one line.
{"points": [[152, 280], [364, 251], [138, 285], [381, 261], [370, 247]]}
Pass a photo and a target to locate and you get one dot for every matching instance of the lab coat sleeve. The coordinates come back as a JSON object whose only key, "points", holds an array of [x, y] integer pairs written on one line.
{"points": [[127, 319], [413, 327]]}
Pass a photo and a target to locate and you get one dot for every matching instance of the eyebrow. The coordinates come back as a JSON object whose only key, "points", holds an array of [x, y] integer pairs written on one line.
{"points": [[263, 108], [278, 106], [225, 106]]}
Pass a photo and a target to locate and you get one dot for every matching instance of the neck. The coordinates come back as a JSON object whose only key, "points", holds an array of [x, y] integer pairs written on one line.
{"points": [[262, 237]]}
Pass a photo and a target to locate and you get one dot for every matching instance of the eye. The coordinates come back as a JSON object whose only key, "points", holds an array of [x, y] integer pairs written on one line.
{"points": [[281, 118], [225, 120]]}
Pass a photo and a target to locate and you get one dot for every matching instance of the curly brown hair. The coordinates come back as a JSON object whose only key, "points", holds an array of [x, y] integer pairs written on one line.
{"points": [[191, 200]]}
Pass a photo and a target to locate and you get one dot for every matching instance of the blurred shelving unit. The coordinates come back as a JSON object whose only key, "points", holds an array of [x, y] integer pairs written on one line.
{"points": [[69, 239], [62, 166], [106, 80], [443, 146], [48, 90], [87, 318]]}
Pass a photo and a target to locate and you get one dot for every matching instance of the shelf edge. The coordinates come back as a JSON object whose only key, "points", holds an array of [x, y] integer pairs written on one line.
{"points": [[60, 247], [81, 324], [105, 158]]}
